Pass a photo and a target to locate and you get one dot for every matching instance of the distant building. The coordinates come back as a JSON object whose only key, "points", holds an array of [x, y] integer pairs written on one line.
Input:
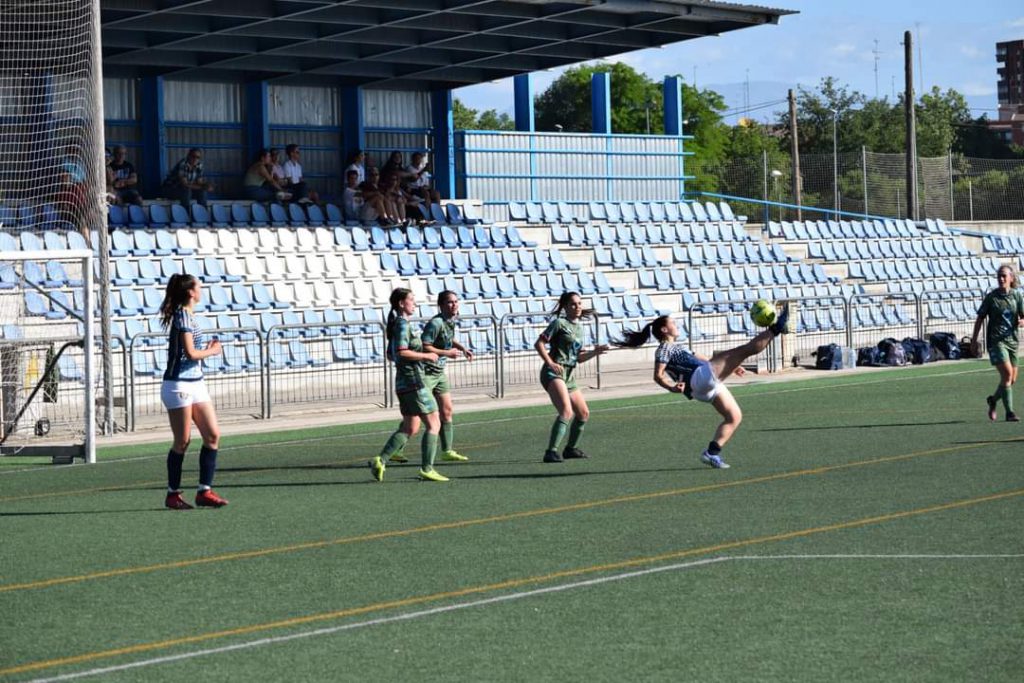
{"points": [[1010, 125]]}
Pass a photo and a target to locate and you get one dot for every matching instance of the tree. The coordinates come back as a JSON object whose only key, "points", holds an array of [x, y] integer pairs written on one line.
{"points": [[467, 118], [463, 117], [937, 115], [636, 101], [815, 112]]}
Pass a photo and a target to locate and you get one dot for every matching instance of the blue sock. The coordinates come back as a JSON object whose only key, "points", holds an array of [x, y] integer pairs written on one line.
{"points": [[207, 466], [714, 448], [174, 461]]}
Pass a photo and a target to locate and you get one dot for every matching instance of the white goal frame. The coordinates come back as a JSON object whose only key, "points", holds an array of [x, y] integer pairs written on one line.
{"points": [[87, 448]]}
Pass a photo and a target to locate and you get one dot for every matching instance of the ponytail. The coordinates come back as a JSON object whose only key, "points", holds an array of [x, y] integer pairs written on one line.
{"points": [[178, 287], [635, 338], [563, 303]]}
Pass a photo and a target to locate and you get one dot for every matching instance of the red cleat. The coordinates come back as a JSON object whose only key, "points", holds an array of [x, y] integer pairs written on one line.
{"points": [[174, 501], [208, 499]]}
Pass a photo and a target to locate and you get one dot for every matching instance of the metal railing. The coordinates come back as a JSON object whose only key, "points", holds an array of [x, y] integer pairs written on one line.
{"points": [[330, 362]]}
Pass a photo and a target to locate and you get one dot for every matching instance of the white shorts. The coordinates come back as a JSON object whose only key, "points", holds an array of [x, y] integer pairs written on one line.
{"points": [[704, 384], [182, 394]]}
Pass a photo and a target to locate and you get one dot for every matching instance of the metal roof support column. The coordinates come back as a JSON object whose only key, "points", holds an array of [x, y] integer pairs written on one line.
{"points": [[153, 162], [444, 142], [672, 89], [257, 117], [353, 135], [524, 103], [601, 102], [673, 96]]}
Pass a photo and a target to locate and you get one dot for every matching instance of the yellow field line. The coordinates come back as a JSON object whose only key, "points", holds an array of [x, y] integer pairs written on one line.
{"points": [[504, 585], [461, 524]]}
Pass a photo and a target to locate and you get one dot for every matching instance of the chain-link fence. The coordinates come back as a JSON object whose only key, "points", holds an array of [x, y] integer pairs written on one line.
{"points": [[951, 187]]}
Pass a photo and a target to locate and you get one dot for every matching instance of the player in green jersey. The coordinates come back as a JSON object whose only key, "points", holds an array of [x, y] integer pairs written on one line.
{"points": [[1004, 309], [414, 399], [560, 346], [439, 338]]}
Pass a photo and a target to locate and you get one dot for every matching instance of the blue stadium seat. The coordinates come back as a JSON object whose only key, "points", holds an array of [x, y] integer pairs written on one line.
{"points": [[296, 215], [200, 216], [278, 215], [220, 216], [334, 217]]}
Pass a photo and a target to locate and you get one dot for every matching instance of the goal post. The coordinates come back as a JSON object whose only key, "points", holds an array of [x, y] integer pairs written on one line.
{"points": [[48, 378], [53, 181]]}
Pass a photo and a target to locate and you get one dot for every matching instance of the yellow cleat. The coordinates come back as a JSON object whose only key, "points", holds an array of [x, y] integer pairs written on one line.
{"points": [[432, 475], [377, 468], [398, 457], [453, 456]]}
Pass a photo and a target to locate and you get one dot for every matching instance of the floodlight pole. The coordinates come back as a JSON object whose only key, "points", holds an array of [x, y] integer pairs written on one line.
{"points": [[835, 162]]}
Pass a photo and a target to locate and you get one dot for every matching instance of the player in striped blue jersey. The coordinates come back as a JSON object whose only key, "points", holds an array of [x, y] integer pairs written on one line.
{"points": [[679, 370], [183, 391]]}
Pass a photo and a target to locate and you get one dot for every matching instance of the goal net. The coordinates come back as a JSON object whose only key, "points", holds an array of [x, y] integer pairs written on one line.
{"points": [[52, 214], [47, 368]]}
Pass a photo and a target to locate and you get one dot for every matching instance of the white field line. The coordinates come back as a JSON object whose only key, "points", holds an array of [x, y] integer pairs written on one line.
{"points": [[473, 423], [262, 642]]}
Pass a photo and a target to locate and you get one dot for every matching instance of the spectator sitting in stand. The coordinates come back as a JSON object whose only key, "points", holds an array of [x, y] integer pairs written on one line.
{"points": [[418, 186], [185, 182], [395, 199], [375, 207], [357, 163], [276, 170], [259, 184], [70, 198], [125, 179], [111, 195], [293, 172], [351, 197]]}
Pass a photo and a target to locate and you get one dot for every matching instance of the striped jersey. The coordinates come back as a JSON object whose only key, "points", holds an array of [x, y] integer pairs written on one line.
{"points": [[679, 361], [181, 368]]}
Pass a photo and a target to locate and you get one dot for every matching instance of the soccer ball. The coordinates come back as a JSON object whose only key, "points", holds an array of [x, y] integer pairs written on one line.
{"points": [[762, 313]]}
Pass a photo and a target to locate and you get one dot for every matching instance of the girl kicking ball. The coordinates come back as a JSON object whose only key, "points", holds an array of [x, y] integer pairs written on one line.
{"points": [[695, 376]]}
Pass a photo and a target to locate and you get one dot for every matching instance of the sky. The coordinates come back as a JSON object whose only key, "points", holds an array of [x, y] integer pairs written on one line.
{"points": [[955, 45]]}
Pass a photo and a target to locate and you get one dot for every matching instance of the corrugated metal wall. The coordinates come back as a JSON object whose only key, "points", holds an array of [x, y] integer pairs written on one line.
{"points": [[190, 104], [202, 101], [395, 109], [501, 167], [303, 106], [120, 99], [309, 117]]}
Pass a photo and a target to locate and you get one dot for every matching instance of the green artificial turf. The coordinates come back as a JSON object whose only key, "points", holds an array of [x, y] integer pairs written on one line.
{"points": [[869, 529]]}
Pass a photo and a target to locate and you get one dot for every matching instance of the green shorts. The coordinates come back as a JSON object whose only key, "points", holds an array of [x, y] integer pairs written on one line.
{"points": [[419, 402], [1000, 352], [437, 384], [546, 377]]}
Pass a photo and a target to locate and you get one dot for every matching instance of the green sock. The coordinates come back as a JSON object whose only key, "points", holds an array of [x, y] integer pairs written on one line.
{"points": [[1008, 399], [395, 444], [575, 432], [999, 393], [428, 449], [557, 434], [447, 435]]}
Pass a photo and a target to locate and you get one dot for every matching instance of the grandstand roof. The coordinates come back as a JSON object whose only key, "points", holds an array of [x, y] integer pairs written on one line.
{"points": [[398, 44]]}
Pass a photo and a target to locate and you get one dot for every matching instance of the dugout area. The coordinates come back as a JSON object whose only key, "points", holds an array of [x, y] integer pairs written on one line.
{"points": [[866, 531]]}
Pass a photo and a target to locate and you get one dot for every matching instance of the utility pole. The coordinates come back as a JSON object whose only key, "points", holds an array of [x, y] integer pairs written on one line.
{"points": [[794, 151], [911, 142], [876, 53]]}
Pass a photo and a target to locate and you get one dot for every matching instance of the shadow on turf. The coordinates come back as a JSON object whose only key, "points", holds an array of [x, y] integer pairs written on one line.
{"points": [[864, 426], [81, 512]]}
